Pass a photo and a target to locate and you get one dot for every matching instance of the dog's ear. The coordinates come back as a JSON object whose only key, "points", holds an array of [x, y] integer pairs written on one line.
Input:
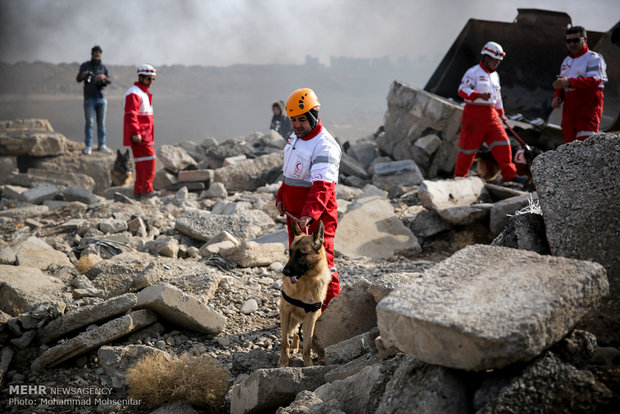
{"points": [[319, 237], [296, 229], [118, 153]]}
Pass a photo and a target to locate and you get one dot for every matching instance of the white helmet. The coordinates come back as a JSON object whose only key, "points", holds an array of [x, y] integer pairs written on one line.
{"points": [[494, 50], [147, 70]]}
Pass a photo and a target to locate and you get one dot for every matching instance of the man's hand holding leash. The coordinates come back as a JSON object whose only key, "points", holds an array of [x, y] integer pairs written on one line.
{"points": [[304, 221]]}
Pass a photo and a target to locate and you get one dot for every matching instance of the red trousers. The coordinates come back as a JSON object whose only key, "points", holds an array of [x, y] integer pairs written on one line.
{"points": [[144, 160], [294, 199], [481, 124], [581, 114]]}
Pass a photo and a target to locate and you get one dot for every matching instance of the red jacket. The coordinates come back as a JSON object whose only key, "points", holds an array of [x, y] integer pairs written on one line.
{"points": [[138, 120]]}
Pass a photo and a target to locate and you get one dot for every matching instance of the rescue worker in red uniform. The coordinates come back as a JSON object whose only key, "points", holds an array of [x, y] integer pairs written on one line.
{"points": [[138, 130], [311, 164], [580, 87], [480, 89]]}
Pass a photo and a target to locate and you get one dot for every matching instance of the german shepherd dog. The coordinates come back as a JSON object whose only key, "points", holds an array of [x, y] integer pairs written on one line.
{"points": [[304, 287], [121, 173], [489, 169]]}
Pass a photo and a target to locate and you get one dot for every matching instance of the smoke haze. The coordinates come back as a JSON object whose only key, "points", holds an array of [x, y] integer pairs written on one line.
{"points": [[267, 40], [227, 32]]}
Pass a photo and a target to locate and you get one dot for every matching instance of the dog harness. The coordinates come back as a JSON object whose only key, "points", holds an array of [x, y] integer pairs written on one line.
{"points": [[308, 307]]}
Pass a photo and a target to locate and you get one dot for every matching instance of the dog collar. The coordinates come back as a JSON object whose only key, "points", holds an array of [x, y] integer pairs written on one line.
{"points": [[308, 307]]}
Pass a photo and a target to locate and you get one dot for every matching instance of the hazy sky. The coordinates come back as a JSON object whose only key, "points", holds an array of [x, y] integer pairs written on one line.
{"points": [[226, 32]]}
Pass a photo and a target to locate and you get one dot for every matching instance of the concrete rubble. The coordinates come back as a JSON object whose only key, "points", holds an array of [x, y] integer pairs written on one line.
{"points": [[457, 295]]}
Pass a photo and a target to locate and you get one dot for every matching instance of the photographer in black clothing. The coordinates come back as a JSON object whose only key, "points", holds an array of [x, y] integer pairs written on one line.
{"points": [[95, 76]]}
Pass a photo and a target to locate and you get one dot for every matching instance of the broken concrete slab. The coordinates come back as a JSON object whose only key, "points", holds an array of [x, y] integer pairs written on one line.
{"points": [[462, 215], [36, 143], [498, 306], [499, 192], [163, 246], [195, 175], [174, 158], [442, 194], [133, 271], [268, 389], [34, 252], [384, 284], [370, 228], [578, 192], [351, 348], [396, 167], [341, 372], [526, 232], [116, 360], [308, 402], [14, 192], [79, 194], [417, 387], [40, 193], [503, 209], [349, 314], [6, 356], [551, 385], [22, 288], [181, 309], [360, 393], [410, 115], [253, 254], [425, 223], [86, 315], [202, 225], [8, 166], [248, 175], [352, 167], [363, 152], [94, 338], [25, 211], [399, 183]]}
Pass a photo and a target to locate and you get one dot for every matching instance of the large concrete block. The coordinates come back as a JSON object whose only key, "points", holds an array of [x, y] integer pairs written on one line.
{"points": [[267, 389], [486, 307], [370, 228], [550, 385], [22, 287], [578, 188], [34, 252], [417, 387], [413, 112], [180, 308], [360, 393], [349, 314]]}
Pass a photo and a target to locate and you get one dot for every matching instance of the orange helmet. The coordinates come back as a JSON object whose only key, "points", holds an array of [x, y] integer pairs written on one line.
{"points": [[301, 101]]}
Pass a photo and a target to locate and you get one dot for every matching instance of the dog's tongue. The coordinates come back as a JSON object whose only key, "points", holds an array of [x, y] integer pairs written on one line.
{"points": [[293, 279]]}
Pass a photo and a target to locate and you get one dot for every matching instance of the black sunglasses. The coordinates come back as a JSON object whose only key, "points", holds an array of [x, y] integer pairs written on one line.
{"points": [[574, 40]]}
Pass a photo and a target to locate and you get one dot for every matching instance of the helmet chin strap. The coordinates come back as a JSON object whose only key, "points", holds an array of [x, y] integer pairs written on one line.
{"points": [[313, 117]]}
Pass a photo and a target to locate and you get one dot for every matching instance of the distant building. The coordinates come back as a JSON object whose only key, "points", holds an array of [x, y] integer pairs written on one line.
{"points": [[311, 60]]}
